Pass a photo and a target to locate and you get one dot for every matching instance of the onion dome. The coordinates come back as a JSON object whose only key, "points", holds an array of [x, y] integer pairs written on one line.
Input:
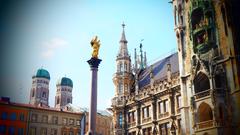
{"points": [[42, 73], [65, 82]]}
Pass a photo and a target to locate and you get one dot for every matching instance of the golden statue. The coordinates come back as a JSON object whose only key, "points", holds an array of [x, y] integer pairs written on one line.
{"points": [[95, 42]]}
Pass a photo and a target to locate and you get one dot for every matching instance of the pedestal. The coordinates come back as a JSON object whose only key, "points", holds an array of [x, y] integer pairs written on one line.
{"points": [[93, 62]]}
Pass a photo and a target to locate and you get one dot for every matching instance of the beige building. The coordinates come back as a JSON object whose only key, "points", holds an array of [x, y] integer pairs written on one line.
{"points": [[51, 121], [147, 100], [192, 92]]}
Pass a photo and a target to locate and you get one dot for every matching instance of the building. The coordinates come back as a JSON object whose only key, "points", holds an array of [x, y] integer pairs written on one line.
{"points": [[147, 98], [13, 118], [64, 92], [40, 88], [104, 124], [207, 34]]}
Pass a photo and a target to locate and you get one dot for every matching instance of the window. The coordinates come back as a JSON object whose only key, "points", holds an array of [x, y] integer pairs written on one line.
{"points": [[33, 92], [45, 119], [34, 118], [147, 131], [32, 131], [2, 129], [163, 106], [57, 100], [64, 121], [179, 125], [20, 131], [179, 101], [55, 120], [120, 88], [125, 67], [21, 117], [43, 131], [121, 67], [53, 131], [71, 121], [145, 112], [70, 132], [120, 120], [68, 100], [4, 116], [44, 94], [13, 116], [78, 122], [11, 130], [164, 128]]}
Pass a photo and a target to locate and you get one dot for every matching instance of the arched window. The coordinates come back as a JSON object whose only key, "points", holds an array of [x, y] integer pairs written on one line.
{"points": [[57, 100], [204, 112], [33, 92], [125, 67], [120, 88], [120, 120], [201, 83], [121, 67]]}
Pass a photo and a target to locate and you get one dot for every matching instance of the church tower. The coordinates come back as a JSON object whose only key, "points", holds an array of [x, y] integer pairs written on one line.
{"points": [[40, 88], [64, 92], [123, 80]]}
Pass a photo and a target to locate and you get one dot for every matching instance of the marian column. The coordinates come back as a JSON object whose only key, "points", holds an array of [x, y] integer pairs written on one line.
{"points": [[93, 62]]}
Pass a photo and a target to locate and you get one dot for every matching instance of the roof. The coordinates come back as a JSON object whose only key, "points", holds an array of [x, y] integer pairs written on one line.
{"points": [[42, 73], [82, 110], [65, 82], [159, 70]]}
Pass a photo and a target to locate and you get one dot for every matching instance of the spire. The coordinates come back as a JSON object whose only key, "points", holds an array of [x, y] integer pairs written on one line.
{"points": [[123, 51], [141, 57], [135, 60], [145, 60], [123, 38]]}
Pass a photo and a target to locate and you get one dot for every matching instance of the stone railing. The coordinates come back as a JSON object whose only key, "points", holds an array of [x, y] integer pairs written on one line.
{"points": [[202, 94], [205, 124], [117, 102], [132, 124], [162, 115], [146, 119]]}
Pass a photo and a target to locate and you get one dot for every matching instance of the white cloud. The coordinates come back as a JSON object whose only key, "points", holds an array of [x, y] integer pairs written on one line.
{"points": [[51, 46]]}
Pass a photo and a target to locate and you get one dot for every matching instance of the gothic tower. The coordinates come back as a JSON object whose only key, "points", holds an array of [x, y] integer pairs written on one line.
{"points": [[40, 88], [64, 92], [123, 81], [208, 66]]}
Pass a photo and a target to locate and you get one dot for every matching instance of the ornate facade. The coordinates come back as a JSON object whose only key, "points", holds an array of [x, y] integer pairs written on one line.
{"points": [[194, 91], [147, 99], [208, 51]]}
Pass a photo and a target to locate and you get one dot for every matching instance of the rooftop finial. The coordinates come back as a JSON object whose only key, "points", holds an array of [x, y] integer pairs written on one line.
{"points": [[123, 25]]}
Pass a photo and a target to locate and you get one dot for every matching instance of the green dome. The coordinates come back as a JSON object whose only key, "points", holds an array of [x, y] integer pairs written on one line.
{"points": [[65, 82], [42, 73]]}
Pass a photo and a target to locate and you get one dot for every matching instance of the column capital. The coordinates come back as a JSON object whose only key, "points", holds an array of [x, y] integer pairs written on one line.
{"points": [[94, 62]]}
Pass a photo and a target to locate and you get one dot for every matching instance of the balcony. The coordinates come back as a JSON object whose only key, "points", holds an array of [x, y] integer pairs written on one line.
{"points": [[117, 102], [205, 124], [163, 115], [146, 119], [132, 124], [202, 94]]}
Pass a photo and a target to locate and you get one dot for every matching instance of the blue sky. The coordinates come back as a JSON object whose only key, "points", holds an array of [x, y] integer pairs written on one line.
{"points": [[56, 35]]}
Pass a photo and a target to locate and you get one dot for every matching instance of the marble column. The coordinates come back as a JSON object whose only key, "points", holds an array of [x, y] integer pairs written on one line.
{"points": [[93, 62]]}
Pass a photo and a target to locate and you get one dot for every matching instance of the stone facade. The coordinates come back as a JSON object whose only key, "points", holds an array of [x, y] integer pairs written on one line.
{"points": [[147, 99], [209, 66], [201, 94]]}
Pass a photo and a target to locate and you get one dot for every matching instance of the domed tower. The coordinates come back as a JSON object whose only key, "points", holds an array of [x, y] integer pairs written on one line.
{"points": [[123, 80], [64, 92], [40, 88]]}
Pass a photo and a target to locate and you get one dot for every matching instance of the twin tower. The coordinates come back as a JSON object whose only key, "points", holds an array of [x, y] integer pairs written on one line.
{"points": [[39, 95]]}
